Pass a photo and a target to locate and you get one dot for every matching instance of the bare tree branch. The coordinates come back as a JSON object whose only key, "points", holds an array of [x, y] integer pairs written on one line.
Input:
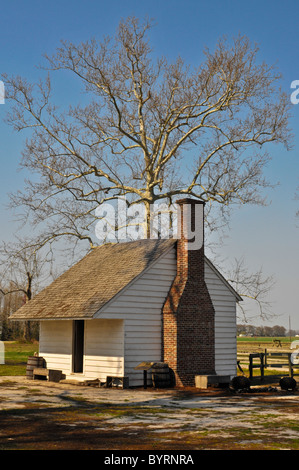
{"points": [[146, 129], [252, 286]]}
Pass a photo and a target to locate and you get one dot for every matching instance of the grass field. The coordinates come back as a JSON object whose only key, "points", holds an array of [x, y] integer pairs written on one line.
{"points": [[285, 340], [267, 339], [259, 344], [16, 355]]}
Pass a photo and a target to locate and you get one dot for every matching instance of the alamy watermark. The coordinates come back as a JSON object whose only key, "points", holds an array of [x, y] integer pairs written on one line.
{"points": [[295, 94], [121, 221], [295, 354], [2, 93]]}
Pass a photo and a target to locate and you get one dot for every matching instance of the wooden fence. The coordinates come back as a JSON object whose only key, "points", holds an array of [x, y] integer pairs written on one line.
{"points": [[272, 360]]}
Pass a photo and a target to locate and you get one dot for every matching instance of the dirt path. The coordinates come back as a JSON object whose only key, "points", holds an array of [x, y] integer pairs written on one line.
{"points": [[44, 415]]}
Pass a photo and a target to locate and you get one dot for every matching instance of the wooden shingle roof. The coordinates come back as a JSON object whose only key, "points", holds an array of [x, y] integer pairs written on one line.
{"points": [[88, 285]]}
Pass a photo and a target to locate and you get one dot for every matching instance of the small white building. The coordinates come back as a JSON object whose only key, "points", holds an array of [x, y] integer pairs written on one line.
{"points": [[108, 313]]}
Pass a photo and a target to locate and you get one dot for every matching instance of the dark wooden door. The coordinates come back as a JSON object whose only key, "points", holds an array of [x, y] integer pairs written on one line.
{"points": [[78, 346]]}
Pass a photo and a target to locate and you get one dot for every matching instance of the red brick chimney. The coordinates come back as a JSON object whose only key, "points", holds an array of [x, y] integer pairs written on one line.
{"points": [[188, 312]]}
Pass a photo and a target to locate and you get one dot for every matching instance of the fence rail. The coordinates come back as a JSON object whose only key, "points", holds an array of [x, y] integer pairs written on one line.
{"points": [[265, 361]]}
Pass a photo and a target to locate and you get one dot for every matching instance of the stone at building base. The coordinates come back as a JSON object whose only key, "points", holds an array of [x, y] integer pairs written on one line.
{"points": [[203, 381], [118, 382]]}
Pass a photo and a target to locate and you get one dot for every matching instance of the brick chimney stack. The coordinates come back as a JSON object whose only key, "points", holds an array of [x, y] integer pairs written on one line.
{"points": [[188, 312]]}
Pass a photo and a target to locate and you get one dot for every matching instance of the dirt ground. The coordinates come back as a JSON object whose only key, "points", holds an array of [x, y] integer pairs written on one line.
{"points": [[42, 415]]}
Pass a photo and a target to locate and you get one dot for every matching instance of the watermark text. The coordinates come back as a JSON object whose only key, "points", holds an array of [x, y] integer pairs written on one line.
{"points": [[122, 221], [295, 93], [2, 93]]}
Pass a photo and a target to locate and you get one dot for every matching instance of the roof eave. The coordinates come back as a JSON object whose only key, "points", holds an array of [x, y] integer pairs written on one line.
{"points": [[233, 291]]}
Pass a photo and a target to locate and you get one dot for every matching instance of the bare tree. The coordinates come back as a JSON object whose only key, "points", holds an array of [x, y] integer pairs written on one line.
{"points": [[9, 303], [146, 129], [251, 286], [151, 129], [22, 272]]}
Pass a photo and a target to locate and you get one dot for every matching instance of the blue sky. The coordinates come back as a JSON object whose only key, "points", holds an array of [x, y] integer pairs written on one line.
{"points": [[265, 236]]}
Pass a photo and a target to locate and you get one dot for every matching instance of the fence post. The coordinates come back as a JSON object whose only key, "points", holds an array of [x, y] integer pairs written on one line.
{"points": [[250, 366], [291, 373], [262, 365]]}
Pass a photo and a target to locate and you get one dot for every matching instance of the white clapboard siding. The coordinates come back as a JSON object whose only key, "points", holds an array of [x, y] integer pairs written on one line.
{"points": [[140, 305], [104, 349], [55, 344], [224, 302]]}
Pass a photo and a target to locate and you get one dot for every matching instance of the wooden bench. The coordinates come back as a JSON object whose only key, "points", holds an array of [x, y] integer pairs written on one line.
{"points": [[50, 374]]}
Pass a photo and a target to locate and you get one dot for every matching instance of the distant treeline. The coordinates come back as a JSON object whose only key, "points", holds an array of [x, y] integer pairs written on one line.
{"points": [[251, 330], [15, 330]]}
